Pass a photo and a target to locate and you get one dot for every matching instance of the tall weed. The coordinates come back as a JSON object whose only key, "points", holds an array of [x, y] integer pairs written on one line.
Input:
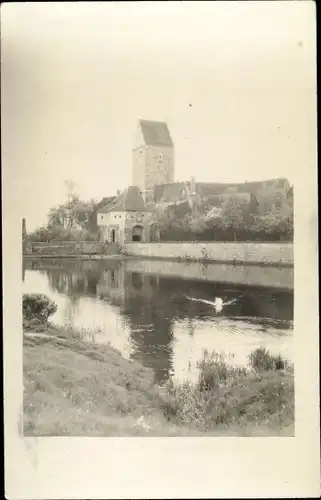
{"points": [[262, 360]]}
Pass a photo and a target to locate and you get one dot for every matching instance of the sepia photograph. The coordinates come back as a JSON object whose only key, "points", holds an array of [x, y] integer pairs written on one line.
{"points": [[154, 155]]}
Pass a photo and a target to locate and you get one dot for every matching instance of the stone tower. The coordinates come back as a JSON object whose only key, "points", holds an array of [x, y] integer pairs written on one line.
{"points": [[153, 157]]}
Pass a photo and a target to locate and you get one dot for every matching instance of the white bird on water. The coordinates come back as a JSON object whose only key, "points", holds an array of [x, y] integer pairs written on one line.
{"points": [[218, 303]]}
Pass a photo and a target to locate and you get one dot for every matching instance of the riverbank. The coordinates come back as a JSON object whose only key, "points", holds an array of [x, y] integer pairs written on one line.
{"points": [[73, 256], [76, 388]]}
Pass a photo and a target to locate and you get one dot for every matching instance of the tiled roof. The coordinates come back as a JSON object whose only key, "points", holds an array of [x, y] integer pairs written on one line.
{"points": [[155, 133], [129, 200], [208, 188], [177, 191], [104, 202]]}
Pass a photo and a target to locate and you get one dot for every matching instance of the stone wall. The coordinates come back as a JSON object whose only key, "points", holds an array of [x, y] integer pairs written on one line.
{"points": [[228, 252], [253, 276], [71, 248]]}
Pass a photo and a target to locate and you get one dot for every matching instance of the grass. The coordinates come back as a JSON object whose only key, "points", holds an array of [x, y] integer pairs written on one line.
{"points": [[225, 395], [262, 360], [77, 388]]}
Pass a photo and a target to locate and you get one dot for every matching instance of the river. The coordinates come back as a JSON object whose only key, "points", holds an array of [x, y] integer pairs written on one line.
{"points": [[147, 313]]}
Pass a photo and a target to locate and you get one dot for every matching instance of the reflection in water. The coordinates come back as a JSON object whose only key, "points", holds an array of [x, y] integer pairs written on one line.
{"points": [[151, 325], [150, 318]]}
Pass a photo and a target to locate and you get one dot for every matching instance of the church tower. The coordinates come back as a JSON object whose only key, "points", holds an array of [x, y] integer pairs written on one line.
{"points": [[153, 157]]}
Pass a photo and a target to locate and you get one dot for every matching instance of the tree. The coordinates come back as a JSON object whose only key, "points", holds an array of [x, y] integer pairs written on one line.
{"points": [[270, 199], [165, 217], [196, 224], [277, 223], [235, 214], [73, 214]]}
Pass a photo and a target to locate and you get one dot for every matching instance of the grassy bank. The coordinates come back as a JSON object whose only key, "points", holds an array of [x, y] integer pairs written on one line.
{"points": [[72, 387]]}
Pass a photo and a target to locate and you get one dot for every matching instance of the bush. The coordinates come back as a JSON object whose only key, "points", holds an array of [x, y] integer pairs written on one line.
{"points": [[263, 360], [37, 306], [213, 370], [225, 394], [47, 234]]}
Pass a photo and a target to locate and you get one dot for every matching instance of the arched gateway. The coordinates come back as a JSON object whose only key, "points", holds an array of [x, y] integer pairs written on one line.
{"points": [[137, 234]]}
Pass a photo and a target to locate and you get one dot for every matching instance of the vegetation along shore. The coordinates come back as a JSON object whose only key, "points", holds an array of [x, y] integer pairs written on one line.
{"points": [[74, 387]]}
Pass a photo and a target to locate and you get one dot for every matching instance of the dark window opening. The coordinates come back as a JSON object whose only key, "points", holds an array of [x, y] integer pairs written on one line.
{"points": [[137, 233]]}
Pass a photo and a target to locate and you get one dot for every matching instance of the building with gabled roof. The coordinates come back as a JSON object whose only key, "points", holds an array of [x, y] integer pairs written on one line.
{"points": [[129, 200], [126, 218]]}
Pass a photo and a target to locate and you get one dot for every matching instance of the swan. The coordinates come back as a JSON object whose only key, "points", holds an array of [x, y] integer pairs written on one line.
{"points": [[218, 302]]}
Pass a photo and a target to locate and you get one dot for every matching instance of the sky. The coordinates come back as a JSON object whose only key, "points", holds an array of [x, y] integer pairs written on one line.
{"points": [[235, 82]]}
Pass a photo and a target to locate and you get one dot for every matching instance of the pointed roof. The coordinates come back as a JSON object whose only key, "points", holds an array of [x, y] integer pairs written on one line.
{"points": [[128, 201], [155, 133]]}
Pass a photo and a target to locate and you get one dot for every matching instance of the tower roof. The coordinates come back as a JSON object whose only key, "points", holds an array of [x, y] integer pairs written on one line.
{"points": [[155, 133], [128, 201]]}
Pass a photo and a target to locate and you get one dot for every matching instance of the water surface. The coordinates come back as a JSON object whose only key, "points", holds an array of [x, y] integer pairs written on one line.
{"points": [[148, 316]]}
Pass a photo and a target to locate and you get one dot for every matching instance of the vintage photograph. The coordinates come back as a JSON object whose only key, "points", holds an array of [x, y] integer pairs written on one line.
{"points": [[160, 249], [157, 273], [157, 164]]}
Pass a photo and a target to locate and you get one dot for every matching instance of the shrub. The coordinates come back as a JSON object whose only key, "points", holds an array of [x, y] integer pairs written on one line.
{"points": [[225, 394], [262, 360], [38, 306], [213, 371]]}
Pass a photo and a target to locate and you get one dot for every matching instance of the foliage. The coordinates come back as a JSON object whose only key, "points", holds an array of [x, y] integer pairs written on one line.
{"points": [[213, 370], [277, 221], [73, 213], [235, 215], [263, 360], [38, 306], [230, 218], [110, 395], [197, 224], [57, 234], [69, 221], [224, 394], [235, 219], [270, 199]]}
